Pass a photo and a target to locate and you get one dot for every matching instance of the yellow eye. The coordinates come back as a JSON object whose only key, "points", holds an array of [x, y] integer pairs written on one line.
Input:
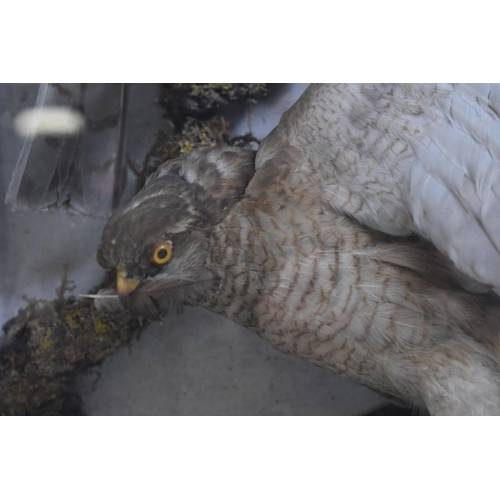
{"points": [[162, 253]]}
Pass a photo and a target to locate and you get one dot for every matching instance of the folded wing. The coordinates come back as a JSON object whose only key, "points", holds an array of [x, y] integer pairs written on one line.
{"points": [[406, 159]]}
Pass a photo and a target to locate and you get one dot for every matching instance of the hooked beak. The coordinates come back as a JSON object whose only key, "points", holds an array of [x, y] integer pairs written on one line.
{"points": [[124, 285]]}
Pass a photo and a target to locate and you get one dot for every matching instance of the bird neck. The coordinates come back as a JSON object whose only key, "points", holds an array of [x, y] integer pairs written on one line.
{"points": [[236, 292]]}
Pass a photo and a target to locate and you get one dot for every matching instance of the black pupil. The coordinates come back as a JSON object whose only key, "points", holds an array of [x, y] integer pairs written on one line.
{"points": [[162, 254]]}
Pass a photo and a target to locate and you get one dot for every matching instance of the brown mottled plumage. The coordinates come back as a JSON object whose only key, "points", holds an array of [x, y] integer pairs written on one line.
{"points": [[309, 251]]}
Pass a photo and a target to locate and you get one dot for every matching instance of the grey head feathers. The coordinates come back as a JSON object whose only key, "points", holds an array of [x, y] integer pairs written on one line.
{"points": [[180, 204]]}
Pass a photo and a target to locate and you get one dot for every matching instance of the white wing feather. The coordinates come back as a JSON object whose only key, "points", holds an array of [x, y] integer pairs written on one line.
{"points": [[407, 158], [455, 181]]}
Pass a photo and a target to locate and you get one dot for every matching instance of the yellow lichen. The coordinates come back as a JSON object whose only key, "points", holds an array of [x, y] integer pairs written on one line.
{"points": [[72, 317], [100, 329], [186, 147], [47, 341], [261, 87], [204, 89]]}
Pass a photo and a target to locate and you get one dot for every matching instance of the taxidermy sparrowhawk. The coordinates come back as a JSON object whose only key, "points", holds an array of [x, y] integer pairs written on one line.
{"points": [[353, 238]]}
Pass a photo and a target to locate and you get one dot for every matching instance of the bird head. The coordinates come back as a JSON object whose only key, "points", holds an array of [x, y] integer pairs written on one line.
{"points": [[158, 244]]}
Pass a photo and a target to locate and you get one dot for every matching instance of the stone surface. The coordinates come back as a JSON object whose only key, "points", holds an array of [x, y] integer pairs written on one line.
{"points": [[199, 363]]}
